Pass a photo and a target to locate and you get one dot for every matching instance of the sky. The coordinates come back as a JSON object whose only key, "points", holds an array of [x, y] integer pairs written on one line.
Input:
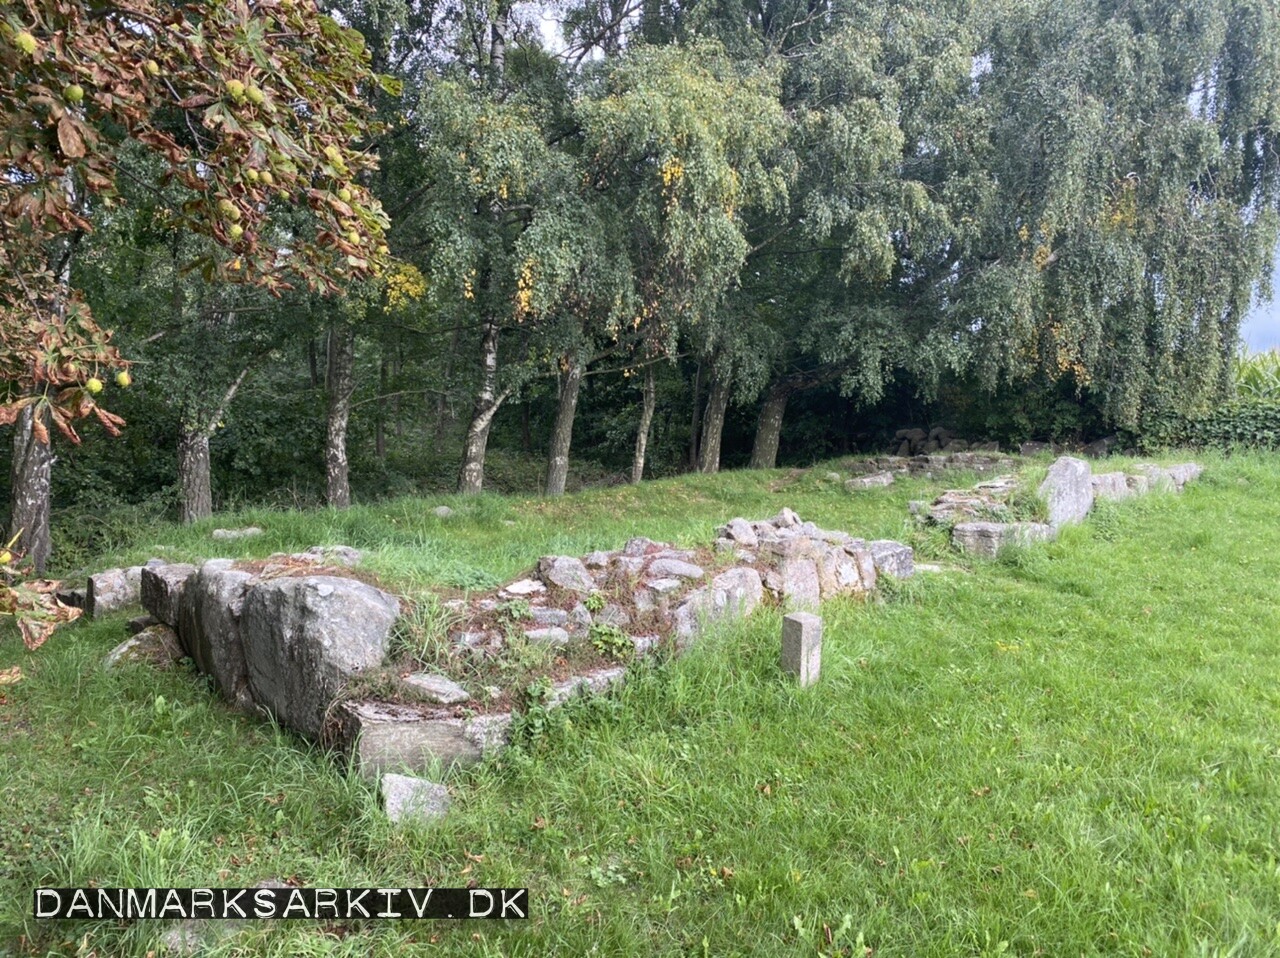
{"points": [[1261, 328]]}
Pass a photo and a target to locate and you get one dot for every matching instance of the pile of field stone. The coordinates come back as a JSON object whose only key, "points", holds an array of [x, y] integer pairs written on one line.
{"points": [[288, 635]]}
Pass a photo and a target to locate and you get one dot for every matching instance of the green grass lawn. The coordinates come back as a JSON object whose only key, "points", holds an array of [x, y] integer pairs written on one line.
{"points": [[1072, 751]]}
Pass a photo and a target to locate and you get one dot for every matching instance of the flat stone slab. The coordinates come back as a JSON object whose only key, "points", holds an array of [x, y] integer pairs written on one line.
{"points": [[872, 481], [1111, 485], [553, 635], [675, 569], [663, 586], [892, 558], [112, 590], [566, 572], [436, 688], [408, 798], [524, 587], [248, 532], [988, 538], [378, 737], [591, 683], [740, 531]]}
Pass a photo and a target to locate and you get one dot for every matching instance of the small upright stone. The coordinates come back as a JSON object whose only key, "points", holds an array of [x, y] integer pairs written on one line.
{"points": [[802, 646], [442, 512]]}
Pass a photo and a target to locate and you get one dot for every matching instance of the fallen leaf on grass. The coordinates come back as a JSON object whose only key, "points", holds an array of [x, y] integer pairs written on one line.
{"points": [[11, 676]]}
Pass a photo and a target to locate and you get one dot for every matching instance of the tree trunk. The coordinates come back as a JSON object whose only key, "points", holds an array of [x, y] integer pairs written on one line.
{"points": [[713, 424], [313, 362], [562, 431], [697, 417], [30, 478], [471, 477], [646, 422], [341, 379], [442, 398], [380, 424], [193, 475], [764, 454]]}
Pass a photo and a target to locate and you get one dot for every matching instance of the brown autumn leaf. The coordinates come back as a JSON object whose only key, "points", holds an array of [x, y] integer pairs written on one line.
{"points": [[11, 676], [69, 138]]}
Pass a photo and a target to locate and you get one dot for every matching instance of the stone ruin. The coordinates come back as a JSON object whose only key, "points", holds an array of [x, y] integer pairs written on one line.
{"points": [[883, 470], [288, 636], [914, 442], [983, 519]]}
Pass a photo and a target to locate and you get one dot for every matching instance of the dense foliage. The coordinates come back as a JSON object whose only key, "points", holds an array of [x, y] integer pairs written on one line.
{"points": [[671, 237]]}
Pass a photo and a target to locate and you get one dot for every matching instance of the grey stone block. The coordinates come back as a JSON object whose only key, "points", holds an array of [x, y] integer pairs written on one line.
{"points": [[802, 646], [1068, 491], [162, 590], [406, 798]]}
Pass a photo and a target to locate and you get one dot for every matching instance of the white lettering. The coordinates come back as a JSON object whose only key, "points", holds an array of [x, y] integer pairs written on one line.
{"points": [[201, 897], [264, 904], [107, 904], [41, 895], [140, 906], [487, 894], [354, 903], [232, 901], [420, 908], [295, 902], [79, 900], [388, 893], [172, 900], [513, 902], [330, 896]]}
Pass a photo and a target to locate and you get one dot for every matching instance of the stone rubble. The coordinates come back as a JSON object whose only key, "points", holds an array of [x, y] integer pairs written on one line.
{"points": [[982, 520]]}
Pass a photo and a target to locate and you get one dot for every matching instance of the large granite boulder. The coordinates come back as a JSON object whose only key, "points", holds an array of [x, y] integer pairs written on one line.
{"points": [[735, 592], [305, 638], [209, 627], [1068, 491]]}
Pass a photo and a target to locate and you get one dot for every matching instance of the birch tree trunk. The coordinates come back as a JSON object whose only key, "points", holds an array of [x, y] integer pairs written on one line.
{"points": [[562, 431], [341, 380], [764, 453], [471, 476], [30, 478], [646, 424]]}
